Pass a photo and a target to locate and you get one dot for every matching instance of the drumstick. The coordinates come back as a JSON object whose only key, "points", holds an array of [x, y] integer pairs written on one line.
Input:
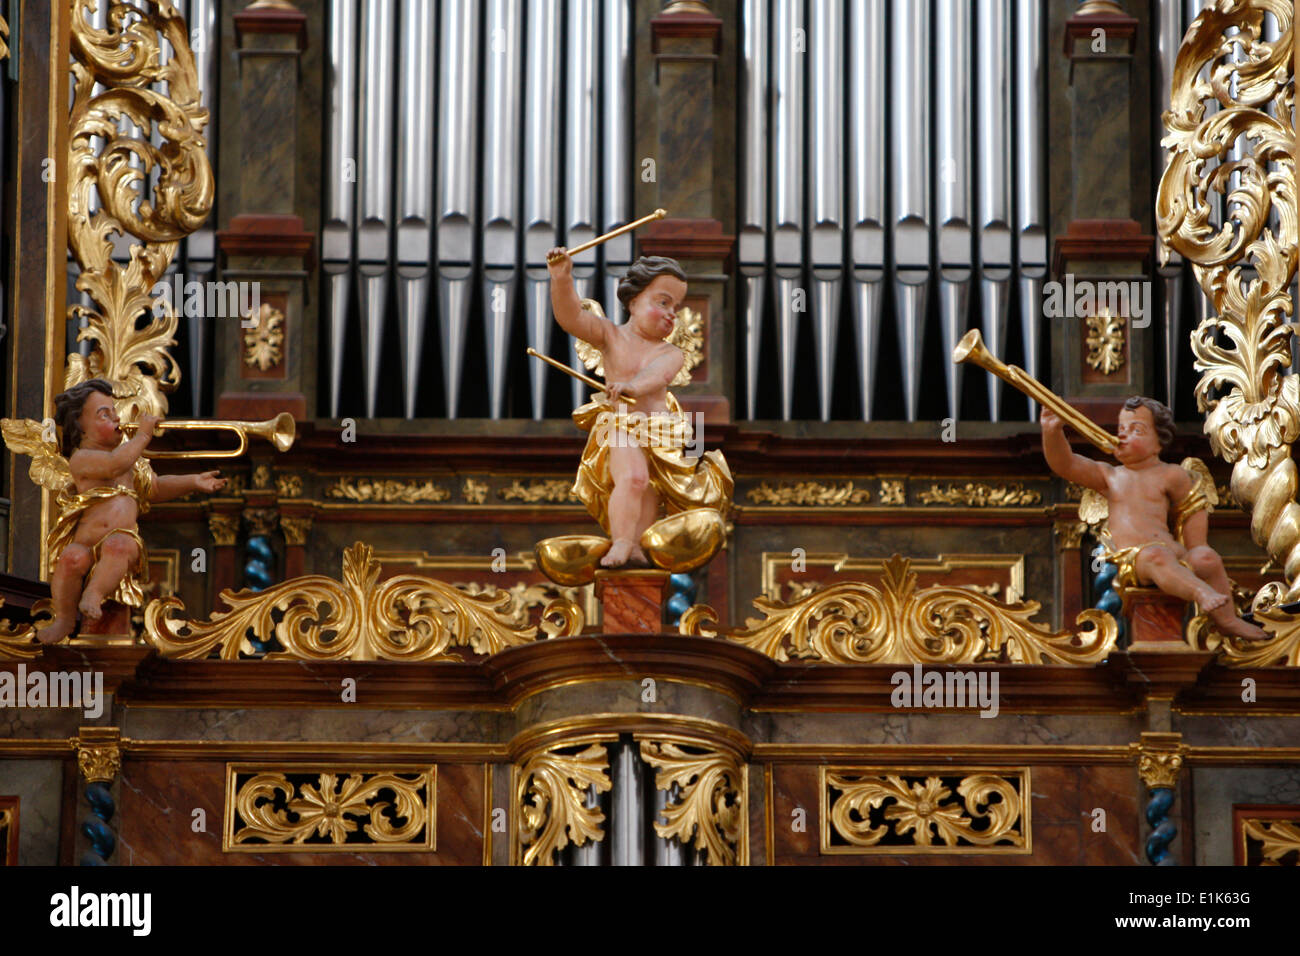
{"points": [[587, 379]]}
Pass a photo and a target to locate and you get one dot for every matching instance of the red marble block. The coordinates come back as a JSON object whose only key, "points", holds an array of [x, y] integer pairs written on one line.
{"points": [[1154, 618], [632, 602]]}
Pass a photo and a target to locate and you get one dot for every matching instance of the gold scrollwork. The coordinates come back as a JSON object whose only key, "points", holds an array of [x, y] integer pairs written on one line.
{"points": [[978, 494], [923, 815], [1278, 839], [521, 598], [1245, 264], [407, 617], [537, 490], [856, 623], [387, 490], [264, 341], [130, 327], [17, 642], [313, 809], [710, 806], [1105, 343], [551, 795], [809, 493]]}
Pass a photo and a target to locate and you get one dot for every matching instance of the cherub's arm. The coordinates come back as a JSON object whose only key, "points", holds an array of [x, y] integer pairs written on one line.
{"points": [[573, 318], [170, 487], [1071, 467], [658, 373], [107, 465]]}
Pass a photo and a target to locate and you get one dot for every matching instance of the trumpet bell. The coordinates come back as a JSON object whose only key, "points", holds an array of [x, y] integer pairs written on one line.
{"points": [[971, 347]]}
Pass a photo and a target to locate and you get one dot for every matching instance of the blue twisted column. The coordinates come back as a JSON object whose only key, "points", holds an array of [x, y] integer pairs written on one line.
{"points": [[1160, 760], [99, 760]]}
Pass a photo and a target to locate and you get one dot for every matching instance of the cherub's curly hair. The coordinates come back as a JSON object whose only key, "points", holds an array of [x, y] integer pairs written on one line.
{"points": [[1160, 414], [644, 271], [68, 407]]}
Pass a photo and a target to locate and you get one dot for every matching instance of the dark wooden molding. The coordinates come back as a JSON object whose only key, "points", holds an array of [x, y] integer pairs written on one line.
{"points": [[271, 20], [259, 406], [688, 239], [1102, 240], [678, 26], [253, 234]]}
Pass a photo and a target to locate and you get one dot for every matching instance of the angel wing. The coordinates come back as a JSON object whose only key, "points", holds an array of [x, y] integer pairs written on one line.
{"points": [[686, 335], [25, 437], [1202, 480], [1094, 510]]}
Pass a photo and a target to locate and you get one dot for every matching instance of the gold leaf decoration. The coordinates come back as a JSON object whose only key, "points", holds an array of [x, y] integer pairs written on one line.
{"points": [[475, 492], [537, 490], [130, 327], [975, 494], [4, 35], [1246, 263], [891, 493], [521, 598], [709, 809], [1105, 343], [387, 490], [288, 486], [911, 811], [264, 342], [809, 493], [1277, 839], [551, 793], [856, 623], [310, 810], [407, 617], [17, 641]]}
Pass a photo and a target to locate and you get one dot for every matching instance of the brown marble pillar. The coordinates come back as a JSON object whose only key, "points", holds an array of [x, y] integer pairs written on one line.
{"points": [[1097, 362], [268, 361]]}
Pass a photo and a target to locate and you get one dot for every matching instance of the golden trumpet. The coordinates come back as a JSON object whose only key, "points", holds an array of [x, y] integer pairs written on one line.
{"points": [[657, 214], [279, 431], [971, 349]]}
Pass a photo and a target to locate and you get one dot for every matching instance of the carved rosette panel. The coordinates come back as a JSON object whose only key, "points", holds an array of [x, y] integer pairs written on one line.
{"points": [[551, 790], [710, 806], [310, 809], [407, 617], [131, 328], [948, 810], [1244, 264], [1270, 842], [857, 623]]}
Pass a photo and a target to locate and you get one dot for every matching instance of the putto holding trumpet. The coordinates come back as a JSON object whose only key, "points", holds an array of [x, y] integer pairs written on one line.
{"points": [[1138, 498], [103, 484]]}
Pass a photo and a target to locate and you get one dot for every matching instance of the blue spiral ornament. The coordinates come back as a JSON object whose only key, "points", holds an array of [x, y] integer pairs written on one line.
{"points": [[1105, 597], [258, 574], [96, 827], [1159, 802], [683, 590]]}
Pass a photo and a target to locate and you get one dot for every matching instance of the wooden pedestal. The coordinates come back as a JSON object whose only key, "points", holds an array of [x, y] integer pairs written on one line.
{"points": [[632, 602]]}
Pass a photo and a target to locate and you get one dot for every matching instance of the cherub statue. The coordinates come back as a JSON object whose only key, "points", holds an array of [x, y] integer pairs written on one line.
{"points": [[103, 484], [1140, 495], [634, 464]]}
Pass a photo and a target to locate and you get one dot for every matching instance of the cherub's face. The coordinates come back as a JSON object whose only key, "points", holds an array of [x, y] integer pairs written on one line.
{"points": [[99, 422], [653, 311], [1138, 439]]}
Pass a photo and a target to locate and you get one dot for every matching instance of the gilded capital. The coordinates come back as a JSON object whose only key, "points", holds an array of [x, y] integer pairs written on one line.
{"points": [[1160, 759], [99, 753]]}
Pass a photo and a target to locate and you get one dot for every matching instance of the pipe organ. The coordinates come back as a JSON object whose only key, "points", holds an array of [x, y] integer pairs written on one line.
{"points": [[482, 135], [926, 207]]}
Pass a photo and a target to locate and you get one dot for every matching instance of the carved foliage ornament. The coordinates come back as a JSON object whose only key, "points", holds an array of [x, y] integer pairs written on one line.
{"points": [[857, 623], [1105, 343], [1279, 841], [407, 617], [130, 328], [709, 809], [1244, 265], [552, 792]]}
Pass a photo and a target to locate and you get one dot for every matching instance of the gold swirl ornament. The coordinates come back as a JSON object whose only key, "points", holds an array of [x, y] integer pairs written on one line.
{"points": [[685, 541], [571, 560]]}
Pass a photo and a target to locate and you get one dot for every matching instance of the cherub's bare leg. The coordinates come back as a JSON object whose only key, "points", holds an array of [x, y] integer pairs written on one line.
{"points": [[626, 503], [1160, 566], [116, 555], [65, 587], [1207, 564]]}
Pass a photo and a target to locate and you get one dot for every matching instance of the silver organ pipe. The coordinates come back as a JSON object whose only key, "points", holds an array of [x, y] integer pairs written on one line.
{"points": [[993, 30], [911, 166], [867, 184], [414, 187], [200, 246], [1031, 219], [541, 179], [826, 188], [501, 137], [615, 148], [457, 224], [337, 237], [752, 243], [581, 152], [788, 169], [1168, 28], [953, 183], [374, 176]]}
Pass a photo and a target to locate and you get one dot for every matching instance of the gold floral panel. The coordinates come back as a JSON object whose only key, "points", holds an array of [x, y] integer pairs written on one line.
{"points": [[790, 576], [909, 810], [1266, 834], [314, 809]]}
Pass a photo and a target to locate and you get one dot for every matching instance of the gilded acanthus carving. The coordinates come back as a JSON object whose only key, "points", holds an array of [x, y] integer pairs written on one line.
{"points": [[979, 494], [131, 328], [709, 809], [99, 753], [1105, 343], [387, 490], [551, 796], [809, 493], [857, 623]]}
